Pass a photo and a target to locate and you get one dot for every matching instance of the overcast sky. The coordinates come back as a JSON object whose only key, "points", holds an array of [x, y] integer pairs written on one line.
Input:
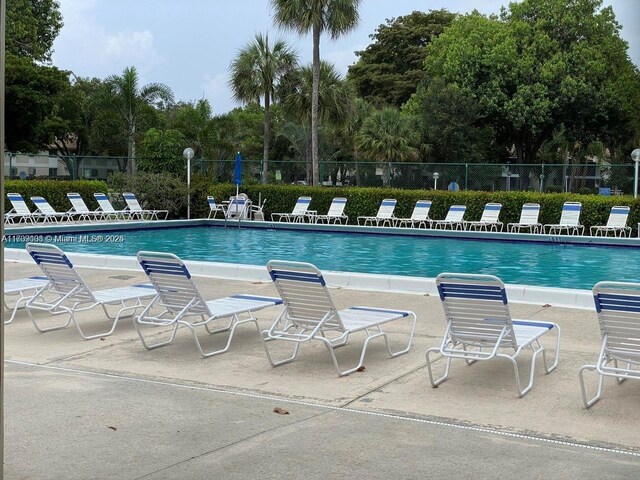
{"points": [[189, 44]]}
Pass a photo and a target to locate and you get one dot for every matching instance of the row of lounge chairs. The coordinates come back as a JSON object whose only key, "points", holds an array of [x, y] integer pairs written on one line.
{"points": [[569, 223], [479, 322], [79, 211]]}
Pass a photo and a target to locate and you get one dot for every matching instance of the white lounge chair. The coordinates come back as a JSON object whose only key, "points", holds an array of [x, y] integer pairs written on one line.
{"points": [[419, 216], [19, 211], [618, 308], [489, 221], [143, 214], [66, 293], [335, 213], [215, 208], [179, 302], [24, 289], [453, 220], [569, 221], [79, 210], [48, 213], [298, 214], [479, 327], [110, 213], [238, 207], [528, 220], [310, 314], [384, 215], [616, 224]]}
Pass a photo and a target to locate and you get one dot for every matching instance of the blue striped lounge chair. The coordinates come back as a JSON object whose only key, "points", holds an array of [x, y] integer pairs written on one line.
{"points": [[24, 289], [79, 210], [480, 327], [616, 223], [528, 220], [489, 222], [419, 217], [335, 214], [67, 294], [453, 220], [110, 213], [48, 213], [142, 213], [384, 217], [569, 221], [618, 308], [298, 214], [178, 302], [19, 211], [215, 208], [310, 314]]}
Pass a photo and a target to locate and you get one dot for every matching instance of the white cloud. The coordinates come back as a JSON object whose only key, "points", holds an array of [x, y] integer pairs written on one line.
{"points": [[216, 89]]}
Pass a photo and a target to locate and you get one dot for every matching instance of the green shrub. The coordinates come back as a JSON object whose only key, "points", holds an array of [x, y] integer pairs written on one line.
{"points": [[55, 191], [157, 191], [586, 191]]}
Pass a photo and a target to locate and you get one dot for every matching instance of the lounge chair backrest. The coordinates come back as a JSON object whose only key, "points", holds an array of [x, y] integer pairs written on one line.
{"points": [[132, 202], [104, 203], [529, 214], [78, 203], [387, 206], [421, 210], [172, 280], [305, 295], [618, 217], [618, 308], [570, 213], [18, 204], [237, 206], [476, 309], [491, 212], [212, 203], [455, 213], [301, 206], [64, 279], [336, 209], [43, 206]]}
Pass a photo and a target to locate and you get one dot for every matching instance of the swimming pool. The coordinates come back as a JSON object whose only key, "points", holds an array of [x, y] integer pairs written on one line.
{"points": [[549, 265]]}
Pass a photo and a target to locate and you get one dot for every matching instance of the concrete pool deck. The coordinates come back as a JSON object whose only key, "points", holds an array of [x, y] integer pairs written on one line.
{"points": [[107, 408]]}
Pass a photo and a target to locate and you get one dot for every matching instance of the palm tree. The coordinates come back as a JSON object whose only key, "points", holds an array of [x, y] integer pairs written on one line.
{"points": [[387, 136], [128, 99], [336, 17], [255, 73]]}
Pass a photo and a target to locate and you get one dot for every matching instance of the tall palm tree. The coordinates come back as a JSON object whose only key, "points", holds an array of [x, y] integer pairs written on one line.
{"points": [[255, 73], [128, 98], [387, 136], [336, 17]]}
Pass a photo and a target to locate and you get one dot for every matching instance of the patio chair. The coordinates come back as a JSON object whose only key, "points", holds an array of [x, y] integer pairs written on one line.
{"points": [[310, 314], [298, 214], [214, 207], [453, 220], [618, 308], [66, 293], [489, 220], [419, 216], [528, 220], [335, 213], [238, 207], [616, 224], [143, 214], [179, 302], [19, 211], [569, 221], [384, 215], [48, 213], [104, 206], [480, 327], [24, 289], [80, 211]]}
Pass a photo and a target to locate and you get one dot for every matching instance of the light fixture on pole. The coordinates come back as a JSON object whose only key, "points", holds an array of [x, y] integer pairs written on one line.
{"points": [[436, 175], [188, 154], [635, 156]]}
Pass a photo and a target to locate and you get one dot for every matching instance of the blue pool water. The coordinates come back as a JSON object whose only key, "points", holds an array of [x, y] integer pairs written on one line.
{"points": [[565, 266]]}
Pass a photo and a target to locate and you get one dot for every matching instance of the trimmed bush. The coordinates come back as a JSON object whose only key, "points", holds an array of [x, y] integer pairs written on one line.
{"points": [[55, 191]]}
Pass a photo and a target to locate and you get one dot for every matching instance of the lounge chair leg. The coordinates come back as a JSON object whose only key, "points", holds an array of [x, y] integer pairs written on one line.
{"points": [[342, 373], [150, 346], [234, 324], [435, 383], [266, 339], [413, 319], [52, 312], [588, 403]]}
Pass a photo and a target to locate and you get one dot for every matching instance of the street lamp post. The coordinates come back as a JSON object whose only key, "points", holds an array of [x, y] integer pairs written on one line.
{"points": [[635, 156], [188, 154], [436, 175], [508, 174]]}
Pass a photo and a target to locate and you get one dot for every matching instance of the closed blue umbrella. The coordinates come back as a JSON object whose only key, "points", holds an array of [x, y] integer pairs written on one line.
{"points": [[237, 171]]}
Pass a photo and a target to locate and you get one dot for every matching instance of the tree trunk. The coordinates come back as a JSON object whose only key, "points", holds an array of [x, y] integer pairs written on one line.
{"points": [[386, 175], [131, 149], [358, 172], [309, 161], [267, 126], [315, 95]]}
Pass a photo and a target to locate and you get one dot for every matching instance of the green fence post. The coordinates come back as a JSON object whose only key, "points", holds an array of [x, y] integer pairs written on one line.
{"points": [[74, 167], [466, 176], [542, 178]]}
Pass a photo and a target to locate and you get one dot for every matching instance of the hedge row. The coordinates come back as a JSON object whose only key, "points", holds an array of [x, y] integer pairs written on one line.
{"points": [[55, 191], [365, 201]]}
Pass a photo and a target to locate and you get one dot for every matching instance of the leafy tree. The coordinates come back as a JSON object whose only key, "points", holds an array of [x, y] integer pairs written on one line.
{"points": [[32, 26], [390, 69], [336, 17], [256, 73], [388, 136], [195, 122], [161, 151], [359, 111], [125, 96]]}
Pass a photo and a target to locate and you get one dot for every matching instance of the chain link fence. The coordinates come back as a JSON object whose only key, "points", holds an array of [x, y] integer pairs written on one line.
{"points": [[571, 177]]}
